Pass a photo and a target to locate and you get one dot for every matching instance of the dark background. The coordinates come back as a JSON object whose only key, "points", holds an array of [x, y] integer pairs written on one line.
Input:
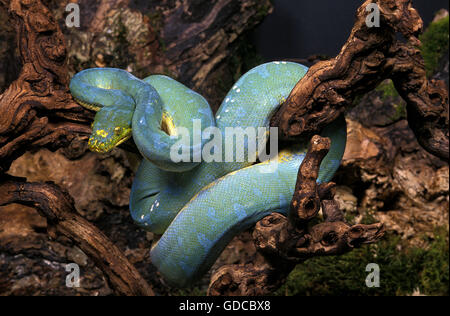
{"points": [[299, 29], [387, 176]]}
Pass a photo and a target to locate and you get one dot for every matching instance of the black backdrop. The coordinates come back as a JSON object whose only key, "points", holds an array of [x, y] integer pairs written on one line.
{"points": [[300, 28]]}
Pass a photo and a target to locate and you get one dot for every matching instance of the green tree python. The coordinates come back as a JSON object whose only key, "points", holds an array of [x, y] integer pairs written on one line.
{"points": [[198, 206]]}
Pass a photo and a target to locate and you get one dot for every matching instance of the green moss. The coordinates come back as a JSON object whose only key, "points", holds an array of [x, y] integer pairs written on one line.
{"points": [[402, 270], [400, 112], [389, 93], [435, 274], [434, 44], [388, 89]]}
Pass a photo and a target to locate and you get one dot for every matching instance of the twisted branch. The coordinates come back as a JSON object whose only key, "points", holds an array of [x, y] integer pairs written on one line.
{"points": [[57, 206], [282, 242], [371, 55], [37, 110]]}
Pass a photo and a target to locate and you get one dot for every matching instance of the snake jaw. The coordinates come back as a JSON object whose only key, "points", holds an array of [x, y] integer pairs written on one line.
{"points": [[102, 141], [123, 140], [89, 106]]}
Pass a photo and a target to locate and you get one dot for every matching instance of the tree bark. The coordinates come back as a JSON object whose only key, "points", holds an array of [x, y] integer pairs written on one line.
{"points": [[371, 55], [37, 108], [282, 242], [39, 112], [58, 208]]}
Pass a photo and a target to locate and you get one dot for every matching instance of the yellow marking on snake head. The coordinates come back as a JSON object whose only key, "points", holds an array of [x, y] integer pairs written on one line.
{"points": [[102, 133]]}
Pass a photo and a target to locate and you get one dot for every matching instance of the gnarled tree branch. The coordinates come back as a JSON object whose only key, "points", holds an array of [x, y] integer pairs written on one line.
{"points": [[371, 55], [37, 108], [38, 111], [58, 208], [282, 242]]}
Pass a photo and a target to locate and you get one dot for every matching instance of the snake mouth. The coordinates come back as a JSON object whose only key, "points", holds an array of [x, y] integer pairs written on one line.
{"points": [[102, 147], [123, 140], [89, 106]]}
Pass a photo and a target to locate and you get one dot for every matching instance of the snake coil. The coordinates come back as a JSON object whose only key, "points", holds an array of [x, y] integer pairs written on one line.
{"points": [[198, 207]]}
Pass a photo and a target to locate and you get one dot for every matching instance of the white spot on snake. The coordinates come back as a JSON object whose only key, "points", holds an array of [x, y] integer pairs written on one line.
{"points": [[284, 63], [277, 63], [227, 110], [227, 100], [235, 87], [142, 217], [218, 117], [238, 90], [232, 101]]}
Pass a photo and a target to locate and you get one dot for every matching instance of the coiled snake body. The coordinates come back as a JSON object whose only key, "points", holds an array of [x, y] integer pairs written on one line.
{"points": [[198, 207]]}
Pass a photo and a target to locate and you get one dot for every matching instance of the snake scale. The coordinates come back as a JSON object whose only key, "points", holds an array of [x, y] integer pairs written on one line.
{"points": [[198, 207]]}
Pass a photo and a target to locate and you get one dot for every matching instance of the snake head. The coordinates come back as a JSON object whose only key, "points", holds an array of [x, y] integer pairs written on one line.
{"points": [[111, 128]]}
